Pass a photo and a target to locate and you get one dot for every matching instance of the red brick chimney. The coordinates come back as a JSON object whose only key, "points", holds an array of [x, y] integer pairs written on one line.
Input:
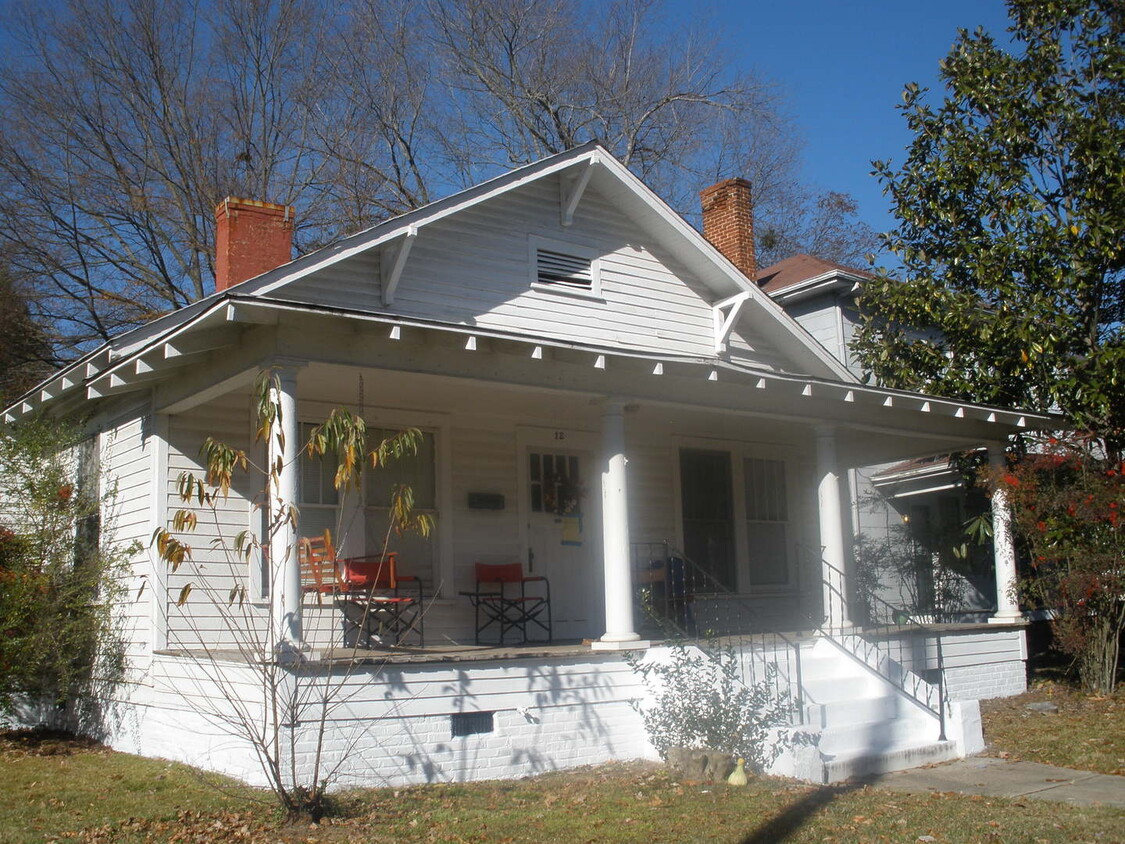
{"points": [[251, 238], [728, 222]]}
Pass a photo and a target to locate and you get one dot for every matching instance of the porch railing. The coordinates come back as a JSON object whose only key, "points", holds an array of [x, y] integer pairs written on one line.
{"points": [[891, 642], [678, 599]]}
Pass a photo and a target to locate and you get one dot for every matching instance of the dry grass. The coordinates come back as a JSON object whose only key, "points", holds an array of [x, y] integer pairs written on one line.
{"points": [[1087, 732], [77, 791]]}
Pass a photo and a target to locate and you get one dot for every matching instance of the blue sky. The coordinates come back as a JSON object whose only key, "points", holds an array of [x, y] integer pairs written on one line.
{"points": [[842, 67]]}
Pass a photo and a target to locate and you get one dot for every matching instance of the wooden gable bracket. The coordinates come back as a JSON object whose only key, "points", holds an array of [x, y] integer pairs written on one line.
{"points": [[392, 267], [197, 342], [725, 322], [572, 189]]}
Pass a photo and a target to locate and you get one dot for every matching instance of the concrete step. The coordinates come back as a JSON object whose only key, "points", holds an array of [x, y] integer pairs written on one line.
{"points": [[857, 711], [879, 736], [844, 766], [844, 688]]}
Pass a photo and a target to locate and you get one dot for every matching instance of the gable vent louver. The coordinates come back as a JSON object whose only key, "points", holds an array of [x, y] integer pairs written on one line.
{"points": [[562, 269]]}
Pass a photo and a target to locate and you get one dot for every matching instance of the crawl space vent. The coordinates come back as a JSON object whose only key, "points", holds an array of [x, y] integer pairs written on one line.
{"points": [[470, 723]]}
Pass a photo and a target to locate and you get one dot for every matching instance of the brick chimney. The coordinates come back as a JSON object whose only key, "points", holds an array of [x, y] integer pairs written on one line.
{"points": [[251, 238], [728, 222]]}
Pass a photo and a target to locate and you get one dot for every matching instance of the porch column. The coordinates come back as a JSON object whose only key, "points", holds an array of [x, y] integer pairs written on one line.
{"points": [[619, 634], [1003, 549], [285, 568], [831, 529]]}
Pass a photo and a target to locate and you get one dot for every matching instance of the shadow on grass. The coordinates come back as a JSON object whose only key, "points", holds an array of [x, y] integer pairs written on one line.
{"points": [[797, 815]]}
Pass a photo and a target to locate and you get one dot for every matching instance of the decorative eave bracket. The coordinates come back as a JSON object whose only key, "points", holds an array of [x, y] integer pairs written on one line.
{"points": [[392, 267], [725, 313], [572, 189]]}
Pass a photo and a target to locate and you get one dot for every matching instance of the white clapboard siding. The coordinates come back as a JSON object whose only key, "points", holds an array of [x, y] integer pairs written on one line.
{"points": [[392, 723], [206, 616], [474, 268], [818, 317], [849, 322], [484, 460], [126, 464], [652, 509]]}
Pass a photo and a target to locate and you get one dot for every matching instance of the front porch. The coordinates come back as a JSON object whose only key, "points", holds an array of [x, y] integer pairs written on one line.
{"points": [[537, 475]]}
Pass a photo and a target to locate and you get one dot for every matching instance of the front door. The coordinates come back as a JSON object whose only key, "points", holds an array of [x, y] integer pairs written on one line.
{"points": [[707, 502], [560, 537]]}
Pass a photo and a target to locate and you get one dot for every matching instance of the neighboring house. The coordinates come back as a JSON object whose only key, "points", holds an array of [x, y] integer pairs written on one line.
{"points": [[908, 518], [556, 328]]}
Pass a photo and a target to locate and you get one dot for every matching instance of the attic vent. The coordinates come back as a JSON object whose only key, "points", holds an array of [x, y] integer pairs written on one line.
{"points": [[559, 268]]}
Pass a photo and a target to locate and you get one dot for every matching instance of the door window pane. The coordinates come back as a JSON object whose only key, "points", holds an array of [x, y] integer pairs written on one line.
{"points": [[555, 484]]}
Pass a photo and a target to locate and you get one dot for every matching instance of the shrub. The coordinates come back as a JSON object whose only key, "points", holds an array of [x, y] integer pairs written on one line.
{"points": [[699, 701], [1068, 506], [58, 567]]}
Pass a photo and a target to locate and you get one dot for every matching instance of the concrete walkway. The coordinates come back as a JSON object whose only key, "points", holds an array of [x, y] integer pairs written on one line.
{"points": [[1005, 778]]}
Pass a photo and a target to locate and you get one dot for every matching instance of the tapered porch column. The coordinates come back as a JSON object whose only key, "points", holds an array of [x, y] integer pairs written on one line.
{"points": [[831, 529], [619, 632], [285, 568], [1003, 548]]}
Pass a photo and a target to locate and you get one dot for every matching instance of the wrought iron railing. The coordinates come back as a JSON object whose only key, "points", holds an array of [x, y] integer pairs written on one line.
{"points": [[890, 641], [678, 599]]}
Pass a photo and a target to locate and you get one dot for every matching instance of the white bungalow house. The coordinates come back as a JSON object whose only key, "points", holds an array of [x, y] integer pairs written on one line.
{"points": [[559, 322]]}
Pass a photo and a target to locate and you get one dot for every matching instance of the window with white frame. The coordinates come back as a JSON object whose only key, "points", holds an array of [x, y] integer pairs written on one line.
{"points": [[319, 500], [416, 554], [767, 521]]}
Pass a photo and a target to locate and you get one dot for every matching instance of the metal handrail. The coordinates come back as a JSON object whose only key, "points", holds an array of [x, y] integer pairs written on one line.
{"points": [[886, 637], [677, 607]]}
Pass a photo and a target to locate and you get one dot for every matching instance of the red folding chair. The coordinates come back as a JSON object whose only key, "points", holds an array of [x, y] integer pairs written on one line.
{"points": [[502, 598]]}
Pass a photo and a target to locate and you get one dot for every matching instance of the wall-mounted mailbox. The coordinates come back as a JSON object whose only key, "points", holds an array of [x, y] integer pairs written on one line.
{"points": [[486, 501]]}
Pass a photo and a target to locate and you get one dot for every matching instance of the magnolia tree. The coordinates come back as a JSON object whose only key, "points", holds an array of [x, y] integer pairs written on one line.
{"points": [[1010, 205], [299, 694], [1069, 507]]}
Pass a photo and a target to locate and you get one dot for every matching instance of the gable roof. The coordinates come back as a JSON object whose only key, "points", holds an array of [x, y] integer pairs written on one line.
{"points": [[637, 201], [799, 273], [595, 166]]}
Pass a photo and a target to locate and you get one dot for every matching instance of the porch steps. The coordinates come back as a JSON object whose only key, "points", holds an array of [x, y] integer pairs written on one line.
{"points": [[862, 722], [842, 767]]}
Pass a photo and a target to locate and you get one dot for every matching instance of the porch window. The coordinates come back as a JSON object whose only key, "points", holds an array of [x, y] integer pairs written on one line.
{"points": [[417, 554], [767, 521], [319, 499], [88, 531]]}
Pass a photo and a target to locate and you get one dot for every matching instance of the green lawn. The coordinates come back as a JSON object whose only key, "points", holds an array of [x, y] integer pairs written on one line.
{"points": [[1088, 731], [50, 786], [70, 791]]}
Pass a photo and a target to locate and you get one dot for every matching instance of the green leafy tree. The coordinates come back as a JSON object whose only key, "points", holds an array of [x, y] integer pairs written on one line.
{"points": [[1011, 208], [59, 575]]}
